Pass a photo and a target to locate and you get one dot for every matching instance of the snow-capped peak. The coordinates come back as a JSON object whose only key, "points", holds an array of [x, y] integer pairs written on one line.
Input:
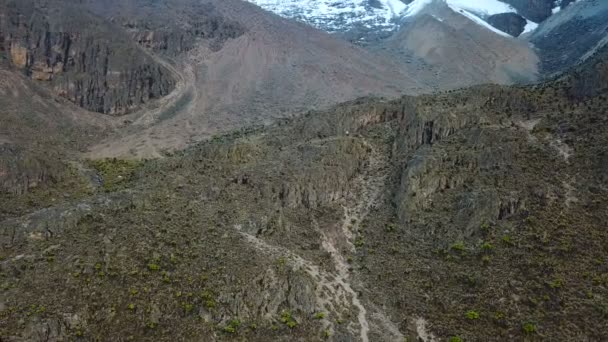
{"points": [[338, 15], [378, 18], [475, 10], [480, 8]]}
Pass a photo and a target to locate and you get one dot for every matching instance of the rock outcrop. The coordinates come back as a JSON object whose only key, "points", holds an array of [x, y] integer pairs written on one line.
{"points": [[511, 23], [83, 58], [535, 10], [215, 29]]}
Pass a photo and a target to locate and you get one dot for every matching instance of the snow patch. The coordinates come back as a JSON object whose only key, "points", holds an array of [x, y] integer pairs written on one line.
{"points": [[478, 20], [337, 15], [483, 8], [436, 17], [415, 7], [475, 10], [530, 26]]}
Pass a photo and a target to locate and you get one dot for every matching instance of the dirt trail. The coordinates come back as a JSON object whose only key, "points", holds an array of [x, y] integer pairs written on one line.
{"points": [[330, 293], [143, 136], [368, 186], [335, 290]]}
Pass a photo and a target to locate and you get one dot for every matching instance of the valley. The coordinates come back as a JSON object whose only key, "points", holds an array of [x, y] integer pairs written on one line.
{"points": [[210, 171]]}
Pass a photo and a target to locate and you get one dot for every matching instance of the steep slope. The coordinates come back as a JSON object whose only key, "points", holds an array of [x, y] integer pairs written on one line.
{"points": [[338, 16], [276, 67], [571, 35], [82, 57], [539, 10], [38, 134], [177, 72]]}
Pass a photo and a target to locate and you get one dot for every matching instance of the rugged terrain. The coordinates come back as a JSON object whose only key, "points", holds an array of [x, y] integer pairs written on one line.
{"points": [[142, 78], [469, 215], [154, 76], [439, 37]]}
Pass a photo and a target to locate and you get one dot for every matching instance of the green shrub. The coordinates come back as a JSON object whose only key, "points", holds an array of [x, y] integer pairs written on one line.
{"points": [[529, 328], [320, 315], [458, 246], [456, 339], [486, 246], [288, 319], [232, 326], [472, 315], [153, 267], [507, 239], [359, 242], [187, 307], [556, 284], [115, 172]]}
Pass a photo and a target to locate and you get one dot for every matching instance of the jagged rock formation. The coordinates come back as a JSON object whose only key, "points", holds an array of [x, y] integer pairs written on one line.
{"points": [[165, 27], [535, 10], [83, 58]]}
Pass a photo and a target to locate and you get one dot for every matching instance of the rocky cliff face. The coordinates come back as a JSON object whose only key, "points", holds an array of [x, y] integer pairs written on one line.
{"points": [[535, 10], [511, 23], [153, 24], [82, 58]]}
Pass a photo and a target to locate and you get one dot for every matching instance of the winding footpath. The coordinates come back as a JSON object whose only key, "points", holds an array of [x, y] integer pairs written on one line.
{"points": [[334, 291]]}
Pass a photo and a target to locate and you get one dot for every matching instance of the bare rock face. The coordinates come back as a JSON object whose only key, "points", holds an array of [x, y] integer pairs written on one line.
{"points": [[535, 10], [19, 171], [84, 59], [153, 24], [510, 23]]}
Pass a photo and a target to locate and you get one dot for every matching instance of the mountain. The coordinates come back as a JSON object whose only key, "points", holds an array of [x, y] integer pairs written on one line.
{"points": [[339, 16], [274, 68], [456, 50], [469, 215], [172, 73], [141, 77]]}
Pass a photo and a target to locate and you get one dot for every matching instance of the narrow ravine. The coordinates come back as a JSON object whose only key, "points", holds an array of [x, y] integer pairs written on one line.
{"points": [[367, 189], [335, 290]]}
